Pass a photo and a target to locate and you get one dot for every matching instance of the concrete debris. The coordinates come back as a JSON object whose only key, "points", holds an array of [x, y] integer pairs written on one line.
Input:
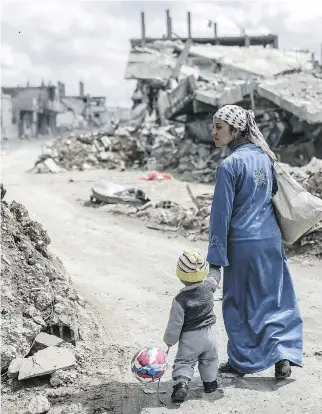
{"points": [[14, 367], [39, 405], [170, 216], [110, 193], [61, 377], [150, 147], [298, 93], [44, 340], [89, 151], [283, 88], [193, 223], [252, 61], [309, 176], [51, 165], [179, 88], [32, 279], [46, 362]]}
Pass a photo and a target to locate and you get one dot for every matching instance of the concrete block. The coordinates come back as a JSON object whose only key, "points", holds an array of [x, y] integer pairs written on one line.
{"points": [[44, 340], [46, 362], [13, 369], [52, 166]]}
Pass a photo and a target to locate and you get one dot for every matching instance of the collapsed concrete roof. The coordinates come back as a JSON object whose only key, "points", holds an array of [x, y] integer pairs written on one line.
{"points": [[239, 70], [150, 64], [217, 91], [252, 61], [298, 93]]}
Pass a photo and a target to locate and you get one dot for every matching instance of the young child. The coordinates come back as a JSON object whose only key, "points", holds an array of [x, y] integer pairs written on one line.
{"points": [[192, 323]]}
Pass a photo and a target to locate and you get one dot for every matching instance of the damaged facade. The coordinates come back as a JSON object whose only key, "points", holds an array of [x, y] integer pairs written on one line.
{"points": [[34, 109], [82, 110], [28, 111]]}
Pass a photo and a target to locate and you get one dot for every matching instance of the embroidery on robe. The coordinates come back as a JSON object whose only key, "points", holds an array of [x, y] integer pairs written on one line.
{"points": [[214, 241], [260, 178]]}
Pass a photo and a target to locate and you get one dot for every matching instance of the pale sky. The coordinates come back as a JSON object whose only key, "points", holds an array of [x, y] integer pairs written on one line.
{"points": [[70, 40]]}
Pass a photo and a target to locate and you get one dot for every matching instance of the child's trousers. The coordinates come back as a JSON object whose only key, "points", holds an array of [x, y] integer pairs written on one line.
{"points": [[197, 346]]}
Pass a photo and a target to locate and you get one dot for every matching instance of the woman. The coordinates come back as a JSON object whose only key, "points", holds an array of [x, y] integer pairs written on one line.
{"points": [[260, 310]]}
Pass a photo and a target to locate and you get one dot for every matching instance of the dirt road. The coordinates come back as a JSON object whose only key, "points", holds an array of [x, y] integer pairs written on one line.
{"points": [[127, 272]]}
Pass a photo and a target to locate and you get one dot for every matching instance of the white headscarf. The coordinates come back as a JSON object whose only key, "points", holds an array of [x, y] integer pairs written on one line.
{"points": [[244, 121]]}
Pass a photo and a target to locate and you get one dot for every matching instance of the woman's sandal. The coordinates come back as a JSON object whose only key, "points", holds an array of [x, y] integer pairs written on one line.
{"points": [[283, 369]]}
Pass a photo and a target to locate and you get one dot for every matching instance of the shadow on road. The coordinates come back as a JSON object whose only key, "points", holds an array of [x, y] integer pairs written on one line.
{"points": [[120, 398], [261, 384], [125, 398]]}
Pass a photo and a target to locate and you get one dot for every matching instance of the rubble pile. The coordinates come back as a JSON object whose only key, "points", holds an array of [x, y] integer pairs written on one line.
{"points": [[90, 150], [168, 216], [164, 215], [191, 81], [198, 162], [40, 309], [179, 88], [310, 176], [151, 146], [193, 223]]}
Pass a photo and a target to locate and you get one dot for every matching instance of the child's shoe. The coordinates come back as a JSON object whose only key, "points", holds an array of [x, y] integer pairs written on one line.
{"points": [[180, 392], [210, 386]]}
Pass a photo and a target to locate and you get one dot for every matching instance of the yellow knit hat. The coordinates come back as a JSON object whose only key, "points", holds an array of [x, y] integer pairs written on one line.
{"points": [[192, 267]]}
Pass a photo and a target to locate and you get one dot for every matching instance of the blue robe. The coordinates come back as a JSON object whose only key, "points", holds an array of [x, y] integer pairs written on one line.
{"points": [[260, 309]]}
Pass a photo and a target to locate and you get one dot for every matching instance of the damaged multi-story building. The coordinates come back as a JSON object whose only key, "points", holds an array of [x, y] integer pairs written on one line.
{"points": [[188, 79]]}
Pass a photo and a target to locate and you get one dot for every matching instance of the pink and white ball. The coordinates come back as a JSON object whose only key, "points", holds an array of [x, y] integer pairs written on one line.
{"points": [[149, 364]]}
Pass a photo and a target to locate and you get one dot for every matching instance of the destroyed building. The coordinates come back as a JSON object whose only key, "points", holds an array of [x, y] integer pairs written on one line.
{"points": [[188, 79], [82, 110], [180, 85], [34, 109]]}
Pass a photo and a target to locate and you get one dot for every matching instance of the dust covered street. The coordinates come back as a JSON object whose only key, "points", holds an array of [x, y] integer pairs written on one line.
{"points": [[161, 207], [127, 274]]}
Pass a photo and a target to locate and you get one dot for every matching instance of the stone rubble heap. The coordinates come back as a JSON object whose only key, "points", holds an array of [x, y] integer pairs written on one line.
{"points": [[130, 147], [41, 313]]}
